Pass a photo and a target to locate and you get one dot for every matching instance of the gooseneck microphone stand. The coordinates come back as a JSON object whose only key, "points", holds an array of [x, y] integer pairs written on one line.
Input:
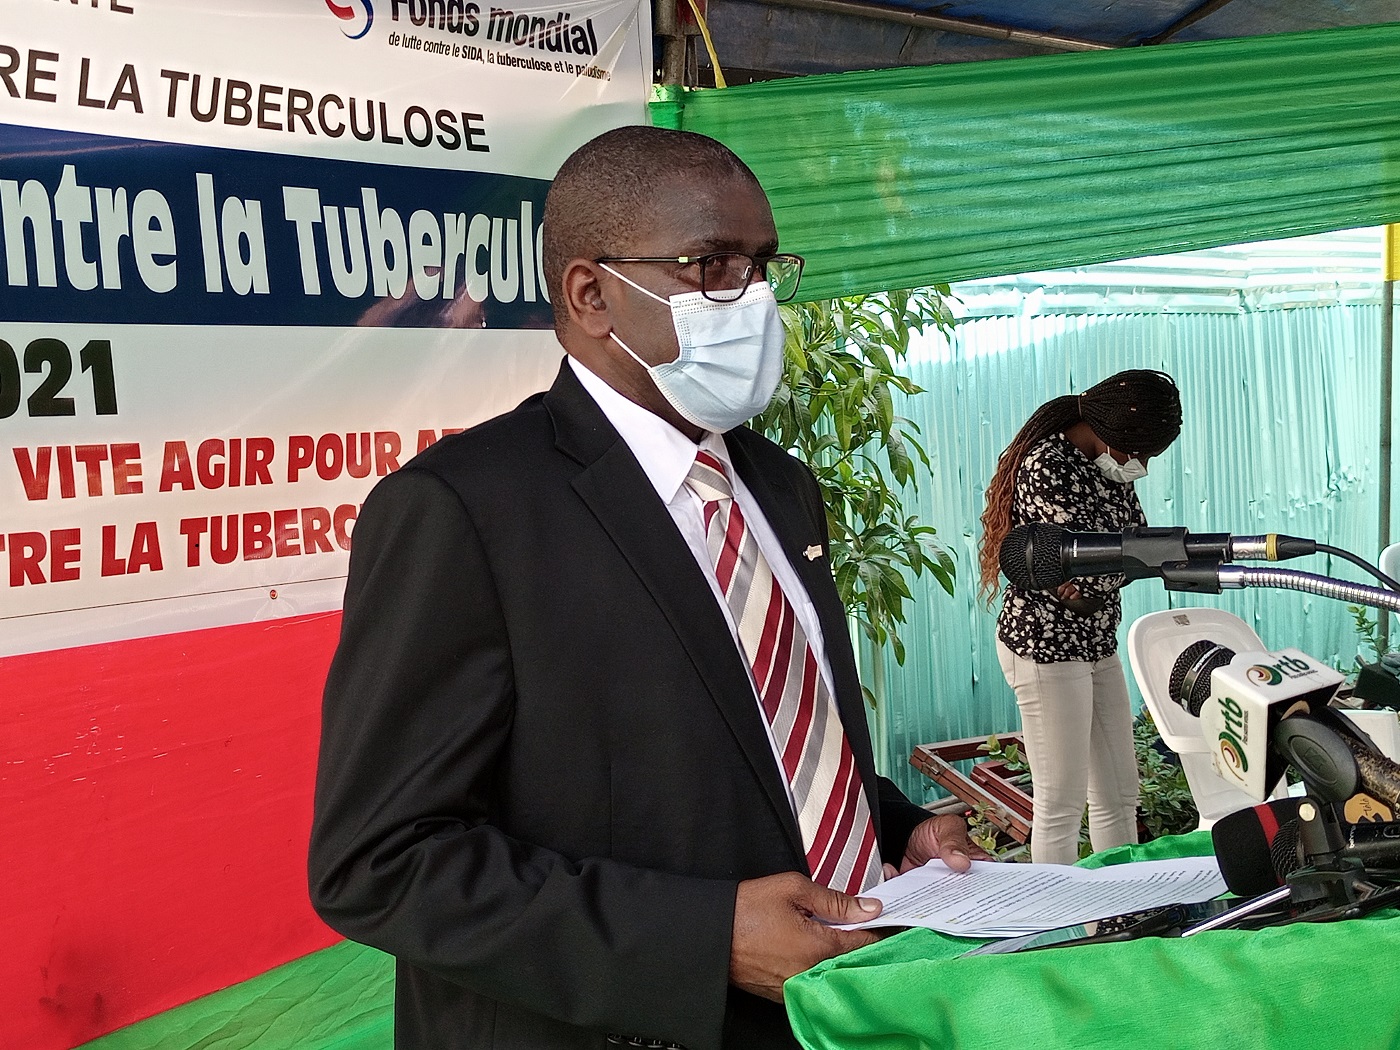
{"points": [[1210, 577]]}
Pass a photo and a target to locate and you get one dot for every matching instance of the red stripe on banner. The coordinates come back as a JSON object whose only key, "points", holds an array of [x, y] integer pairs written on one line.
{"points": [[157, 802]]}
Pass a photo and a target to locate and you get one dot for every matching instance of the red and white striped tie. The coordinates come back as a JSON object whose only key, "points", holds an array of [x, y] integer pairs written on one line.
{"points": [[832, 812]]}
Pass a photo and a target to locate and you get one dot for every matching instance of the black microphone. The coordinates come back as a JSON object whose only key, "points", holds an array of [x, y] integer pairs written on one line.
{"points": [[1189, 684], [1259, 847], [1041, 556]]}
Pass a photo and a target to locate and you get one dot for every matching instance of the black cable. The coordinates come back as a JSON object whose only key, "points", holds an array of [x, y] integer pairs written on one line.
{"points": [[1323, 548]]}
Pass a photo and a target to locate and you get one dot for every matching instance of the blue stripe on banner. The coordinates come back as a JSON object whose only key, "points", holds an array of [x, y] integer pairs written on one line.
{"points": [[96, 228]]}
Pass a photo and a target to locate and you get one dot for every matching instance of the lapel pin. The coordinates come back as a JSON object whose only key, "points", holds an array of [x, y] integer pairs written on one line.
{"points": [[812, 553]]}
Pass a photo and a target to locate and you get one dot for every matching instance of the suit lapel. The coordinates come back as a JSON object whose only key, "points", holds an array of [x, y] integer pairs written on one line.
{"points": [[617, 491]]}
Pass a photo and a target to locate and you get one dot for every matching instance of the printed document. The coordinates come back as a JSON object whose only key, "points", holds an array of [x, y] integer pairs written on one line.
{"points": [[1006, 900]]}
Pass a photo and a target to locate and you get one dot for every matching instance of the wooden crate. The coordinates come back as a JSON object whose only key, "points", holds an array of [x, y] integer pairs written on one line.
{"points": [[990, 785]]}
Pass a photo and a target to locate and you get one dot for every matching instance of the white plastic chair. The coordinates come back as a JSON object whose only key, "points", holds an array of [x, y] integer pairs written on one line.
{"points": [[1390, 561], [1154, 643], [1382, 726]]}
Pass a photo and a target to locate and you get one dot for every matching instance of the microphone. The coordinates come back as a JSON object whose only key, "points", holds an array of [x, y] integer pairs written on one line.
{"points": [[1259, 847], [1040, 556], [1260, 711], [1189, 684], [1241, 698]]}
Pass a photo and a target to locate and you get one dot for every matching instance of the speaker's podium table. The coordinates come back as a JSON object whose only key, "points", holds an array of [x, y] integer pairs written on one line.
{"points": [[1305, 986]]}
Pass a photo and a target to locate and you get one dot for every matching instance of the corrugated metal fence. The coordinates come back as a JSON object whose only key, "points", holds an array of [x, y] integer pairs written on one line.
{"points": [[1281, 434]]}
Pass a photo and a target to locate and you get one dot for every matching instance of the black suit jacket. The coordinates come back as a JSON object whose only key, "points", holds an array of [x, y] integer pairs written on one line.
{"points": [[543, 770]]}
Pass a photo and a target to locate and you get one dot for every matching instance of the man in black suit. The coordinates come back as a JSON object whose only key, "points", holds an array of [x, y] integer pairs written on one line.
{"points": [[547, 783]]}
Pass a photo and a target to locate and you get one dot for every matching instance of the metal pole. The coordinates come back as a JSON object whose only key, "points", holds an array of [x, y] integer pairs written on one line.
{"points": [[666, 25], [1190, 18], [1234, 577], [967, 27], [1387, 406]]}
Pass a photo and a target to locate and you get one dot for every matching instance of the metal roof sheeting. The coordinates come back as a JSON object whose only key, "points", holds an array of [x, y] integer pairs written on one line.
{"points": [[759, 39]]}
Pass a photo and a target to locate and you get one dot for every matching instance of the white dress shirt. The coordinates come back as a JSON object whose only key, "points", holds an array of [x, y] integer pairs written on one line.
{"points": [[666, 456]]}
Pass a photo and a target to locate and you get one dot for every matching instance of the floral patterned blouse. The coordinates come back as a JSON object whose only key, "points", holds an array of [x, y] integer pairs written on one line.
{"points": [[1057, 483]]}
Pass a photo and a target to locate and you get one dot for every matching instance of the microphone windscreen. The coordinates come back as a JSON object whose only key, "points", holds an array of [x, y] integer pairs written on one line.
{"points": [[1030, 556], [1189, 685], [1285, 854], [1257, 847]]}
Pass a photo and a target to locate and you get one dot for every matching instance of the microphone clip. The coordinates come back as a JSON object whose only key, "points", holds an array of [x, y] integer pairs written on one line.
{"points": [[1194, 576], [1327, 877]]}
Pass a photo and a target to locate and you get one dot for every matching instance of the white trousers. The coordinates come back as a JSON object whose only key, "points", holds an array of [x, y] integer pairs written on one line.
{"points": [[1078, 729]]}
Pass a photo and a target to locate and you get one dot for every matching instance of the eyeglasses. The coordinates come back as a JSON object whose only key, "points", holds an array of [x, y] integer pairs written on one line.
{"points": [[725, 275]]}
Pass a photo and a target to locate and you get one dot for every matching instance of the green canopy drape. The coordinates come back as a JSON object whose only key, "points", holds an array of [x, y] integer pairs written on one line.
{"points": [[914, 176], [1291, 987]]}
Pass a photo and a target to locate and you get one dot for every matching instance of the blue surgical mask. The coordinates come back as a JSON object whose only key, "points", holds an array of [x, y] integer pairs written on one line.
{"points": [[1123, 473], [730, 360]]}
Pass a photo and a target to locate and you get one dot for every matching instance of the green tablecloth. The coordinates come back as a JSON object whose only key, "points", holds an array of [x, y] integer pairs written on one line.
{"points": [[1304, 986]]}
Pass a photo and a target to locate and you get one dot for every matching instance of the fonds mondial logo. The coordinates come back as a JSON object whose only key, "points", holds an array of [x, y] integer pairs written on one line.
{"points": [[355, 17]]}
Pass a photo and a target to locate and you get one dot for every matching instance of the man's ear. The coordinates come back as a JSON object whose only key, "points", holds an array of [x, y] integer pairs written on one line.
{"points": [[583, 297]]}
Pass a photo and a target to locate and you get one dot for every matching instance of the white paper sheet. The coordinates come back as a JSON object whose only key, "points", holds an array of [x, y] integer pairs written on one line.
{"points": [[1005, 900]]}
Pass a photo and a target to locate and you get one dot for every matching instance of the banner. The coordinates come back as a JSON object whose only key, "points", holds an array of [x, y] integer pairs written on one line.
{"points": [[253, 257], [234, 238]]}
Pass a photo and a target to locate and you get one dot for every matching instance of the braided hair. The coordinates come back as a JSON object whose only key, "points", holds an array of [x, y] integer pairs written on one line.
{"points": [[1137, 411]]}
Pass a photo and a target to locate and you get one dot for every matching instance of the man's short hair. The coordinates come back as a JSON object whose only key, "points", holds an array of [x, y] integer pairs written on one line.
{"points": [[608, 191]]}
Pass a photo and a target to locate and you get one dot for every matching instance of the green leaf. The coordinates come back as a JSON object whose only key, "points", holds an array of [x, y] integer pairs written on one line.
{"points": [[869, 697], [901, 466], [836, 410], [884, 407]]}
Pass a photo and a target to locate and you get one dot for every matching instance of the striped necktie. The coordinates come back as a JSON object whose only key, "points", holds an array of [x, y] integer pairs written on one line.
{"points": [[832, 812]]}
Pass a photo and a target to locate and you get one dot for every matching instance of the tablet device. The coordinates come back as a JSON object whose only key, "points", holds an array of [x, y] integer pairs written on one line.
{"points": [[1151, 922]]}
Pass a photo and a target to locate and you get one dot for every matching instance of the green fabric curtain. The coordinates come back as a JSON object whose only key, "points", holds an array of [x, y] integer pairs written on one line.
{"points": [[915, 176], [1295, 987], [340, 998]]}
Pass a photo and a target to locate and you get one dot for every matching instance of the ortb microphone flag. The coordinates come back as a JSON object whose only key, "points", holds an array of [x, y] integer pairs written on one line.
{"points": [[1241, 698], [1284, 694]]}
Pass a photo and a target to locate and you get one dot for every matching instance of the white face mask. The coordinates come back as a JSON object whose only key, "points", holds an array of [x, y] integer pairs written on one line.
{"points": [[731, 355], [1123, 473]]}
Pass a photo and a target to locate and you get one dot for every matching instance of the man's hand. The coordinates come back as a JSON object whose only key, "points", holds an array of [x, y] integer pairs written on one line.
{"points": [[779, 930], [944, 838]]}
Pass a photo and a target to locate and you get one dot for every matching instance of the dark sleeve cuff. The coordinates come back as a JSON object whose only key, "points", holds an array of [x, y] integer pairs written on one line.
{"points": [[898, 819]]}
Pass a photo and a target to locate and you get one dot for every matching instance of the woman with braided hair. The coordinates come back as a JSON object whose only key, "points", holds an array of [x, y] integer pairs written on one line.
{"points": [[1073, 464]]}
